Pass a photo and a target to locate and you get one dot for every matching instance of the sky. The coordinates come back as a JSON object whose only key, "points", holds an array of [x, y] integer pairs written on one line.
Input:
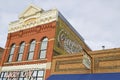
{"points": [[98, 21]]}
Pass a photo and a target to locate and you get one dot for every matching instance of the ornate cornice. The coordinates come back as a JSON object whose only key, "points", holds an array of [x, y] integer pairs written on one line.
{"points": [[33, 20]]}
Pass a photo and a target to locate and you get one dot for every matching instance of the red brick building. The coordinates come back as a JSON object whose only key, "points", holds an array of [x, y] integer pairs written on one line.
{"points": [[34, 39], [43, 43]]}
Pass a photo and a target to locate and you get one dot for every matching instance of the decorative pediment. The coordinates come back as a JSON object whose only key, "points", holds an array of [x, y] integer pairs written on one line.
{"points": [[30, 10], [33, 16]]}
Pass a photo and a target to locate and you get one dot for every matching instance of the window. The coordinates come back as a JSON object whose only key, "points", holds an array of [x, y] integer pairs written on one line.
{"points": [[31, 50], [43, 48], [11, 53], [23, 75], [21, 51], [38, 75], [3, 76]]}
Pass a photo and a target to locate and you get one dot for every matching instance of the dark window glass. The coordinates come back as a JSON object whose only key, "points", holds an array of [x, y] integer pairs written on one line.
{"points": [[11, 53], [34, 73], [31, 50], [5, 74], [21, 51], [2, 74], [43, 48]]}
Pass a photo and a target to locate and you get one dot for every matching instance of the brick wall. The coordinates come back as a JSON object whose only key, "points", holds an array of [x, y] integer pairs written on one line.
{"points": [[103, 61], [106, 60], [37, 33], [69, 64], [27, 35]]}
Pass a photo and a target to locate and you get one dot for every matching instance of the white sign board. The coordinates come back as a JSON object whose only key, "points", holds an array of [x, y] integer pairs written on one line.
{"points": [[86, 61]]}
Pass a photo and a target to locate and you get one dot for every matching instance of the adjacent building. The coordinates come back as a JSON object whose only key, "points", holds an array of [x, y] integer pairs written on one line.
{"points": [[1, 52], [43, 43]]}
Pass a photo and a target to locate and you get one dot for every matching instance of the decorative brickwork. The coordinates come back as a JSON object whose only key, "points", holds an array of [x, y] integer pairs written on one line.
{"points": [[69, 64], [106, 60]]}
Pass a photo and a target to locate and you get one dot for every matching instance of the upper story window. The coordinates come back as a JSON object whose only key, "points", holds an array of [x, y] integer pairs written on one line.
{"points": [[11, 53], [21, 51], [31, 50], [43, 48]]}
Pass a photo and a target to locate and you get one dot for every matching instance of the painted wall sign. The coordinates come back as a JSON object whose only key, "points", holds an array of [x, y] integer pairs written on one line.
{"points": [[66, 43], [66, 40]]}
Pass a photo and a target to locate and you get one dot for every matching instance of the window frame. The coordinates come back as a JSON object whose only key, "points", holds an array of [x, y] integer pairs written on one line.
{"points": [[11, 53], [31, 51], [37, 74], [21, 51], [43, 49]]}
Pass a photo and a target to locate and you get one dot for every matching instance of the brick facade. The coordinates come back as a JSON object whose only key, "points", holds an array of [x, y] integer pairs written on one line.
{"points": [[37, 33], [28, 35], [103, 61], [66, 51], [69, 64]]}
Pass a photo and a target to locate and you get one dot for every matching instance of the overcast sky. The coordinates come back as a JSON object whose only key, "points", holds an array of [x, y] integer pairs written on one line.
{"points": [[98, 21]]}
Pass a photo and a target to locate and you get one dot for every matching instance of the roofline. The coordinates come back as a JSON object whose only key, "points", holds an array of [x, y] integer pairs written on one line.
{"points": [[31, 5], [1, 48], [71, 27]]}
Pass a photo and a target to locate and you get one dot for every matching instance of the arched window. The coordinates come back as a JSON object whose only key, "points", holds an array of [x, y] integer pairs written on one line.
{"points": [[11, 53], [31, 50], [21, 51], [43, 48]]}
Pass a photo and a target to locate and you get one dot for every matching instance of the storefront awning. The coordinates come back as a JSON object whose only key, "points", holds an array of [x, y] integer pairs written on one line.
{"points": [[102, 76]]}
